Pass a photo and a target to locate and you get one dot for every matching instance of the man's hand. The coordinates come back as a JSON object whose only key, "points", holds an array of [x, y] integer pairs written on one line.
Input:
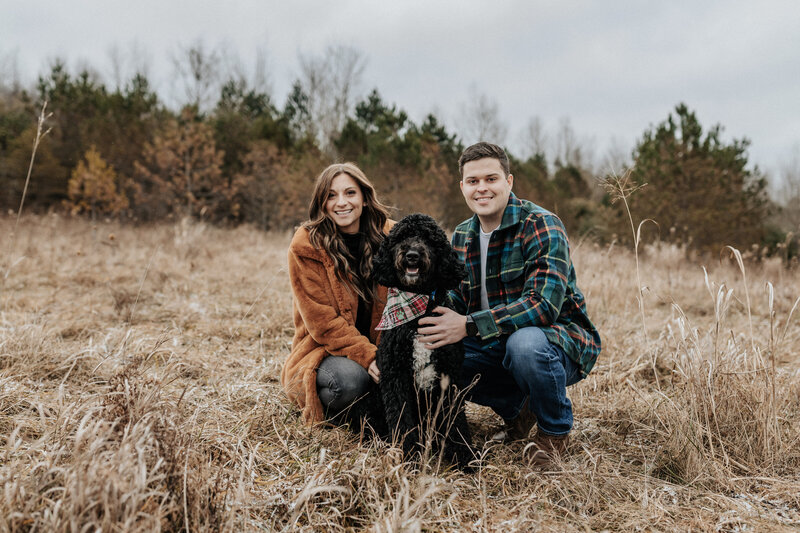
{"points": [[447, 328], [373, 371]]}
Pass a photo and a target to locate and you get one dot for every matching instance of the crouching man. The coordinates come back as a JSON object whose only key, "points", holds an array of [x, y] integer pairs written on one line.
{"points": [[520, 314]]}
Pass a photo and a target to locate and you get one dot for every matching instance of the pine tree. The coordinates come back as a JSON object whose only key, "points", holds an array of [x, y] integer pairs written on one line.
{"points": [[699, 190], [93, 187], [181, 173], [259, 184]]}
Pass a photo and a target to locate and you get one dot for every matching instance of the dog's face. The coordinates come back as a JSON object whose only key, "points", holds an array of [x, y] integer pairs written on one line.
{"points": [[416, 256], [412, 262]]}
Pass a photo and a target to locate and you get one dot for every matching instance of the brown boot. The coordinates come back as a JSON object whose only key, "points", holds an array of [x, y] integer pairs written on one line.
{"points": [[544, 448], [516, 428]]}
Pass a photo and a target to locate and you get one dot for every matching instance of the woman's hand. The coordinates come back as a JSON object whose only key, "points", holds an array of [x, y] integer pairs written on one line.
{"points": [[373, 371]]}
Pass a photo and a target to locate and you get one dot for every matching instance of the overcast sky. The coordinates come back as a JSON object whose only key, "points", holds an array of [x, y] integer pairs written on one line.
{"points": [[613, 68]]}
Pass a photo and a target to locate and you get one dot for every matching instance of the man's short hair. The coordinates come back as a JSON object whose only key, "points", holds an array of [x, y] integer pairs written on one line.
{"points": [[481, 150]]}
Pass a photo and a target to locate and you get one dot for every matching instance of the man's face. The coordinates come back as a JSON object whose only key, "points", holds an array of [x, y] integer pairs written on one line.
{"points": [[486, 189]]}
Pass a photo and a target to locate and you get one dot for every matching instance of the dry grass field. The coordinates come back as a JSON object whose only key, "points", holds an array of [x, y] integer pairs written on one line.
{"points": [[139, 392]]}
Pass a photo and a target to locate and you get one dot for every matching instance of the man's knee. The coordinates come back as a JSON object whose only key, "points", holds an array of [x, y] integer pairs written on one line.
{"points": [[531, 358], [528, 343]]}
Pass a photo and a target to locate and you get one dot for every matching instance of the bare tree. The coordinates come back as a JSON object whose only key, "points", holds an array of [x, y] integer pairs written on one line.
{"points": [[9, 72], [534, 140], [480, 119], [788, 190], [617, 158], [790, 176], [233, 68], [116, 62], [567, 150], [127, 62], [260, 78], [571, 151], [331, 82], [197, 72], [84, 68]]}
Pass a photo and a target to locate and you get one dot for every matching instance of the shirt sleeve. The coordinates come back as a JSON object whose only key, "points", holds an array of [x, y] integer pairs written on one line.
{"points": [[546, 271], [325, 325], [458, 302], [456, 298]]}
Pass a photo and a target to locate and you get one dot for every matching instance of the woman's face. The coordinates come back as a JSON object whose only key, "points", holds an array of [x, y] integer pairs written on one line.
{"points": [[345, 203]]}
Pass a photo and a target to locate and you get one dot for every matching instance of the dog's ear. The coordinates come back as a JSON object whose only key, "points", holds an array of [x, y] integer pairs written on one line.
{"points": [[451, 270], [383, 271]]}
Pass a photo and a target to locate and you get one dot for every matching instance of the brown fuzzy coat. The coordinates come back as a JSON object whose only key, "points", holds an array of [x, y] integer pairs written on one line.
{"points": [[324, 321]]}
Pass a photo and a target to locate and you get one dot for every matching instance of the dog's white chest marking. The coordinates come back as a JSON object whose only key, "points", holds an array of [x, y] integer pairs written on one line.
{"points": [[424, 372]]}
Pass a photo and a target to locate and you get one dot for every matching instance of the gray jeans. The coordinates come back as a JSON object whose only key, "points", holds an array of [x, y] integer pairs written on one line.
{"points": [[340, 382]]}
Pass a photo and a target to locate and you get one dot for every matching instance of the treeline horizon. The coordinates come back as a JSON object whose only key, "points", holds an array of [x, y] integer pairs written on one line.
{"points": [[233, 155]]}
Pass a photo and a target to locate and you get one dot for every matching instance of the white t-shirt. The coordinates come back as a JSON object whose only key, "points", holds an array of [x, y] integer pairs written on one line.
{"points": [[484, 242]]}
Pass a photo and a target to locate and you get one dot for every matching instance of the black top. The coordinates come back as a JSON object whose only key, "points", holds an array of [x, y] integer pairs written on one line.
{"points": [[355, 246]]}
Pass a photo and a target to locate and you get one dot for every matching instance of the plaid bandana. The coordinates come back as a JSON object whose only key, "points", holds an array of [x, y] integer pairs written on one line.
{"points": [[402, 307]]}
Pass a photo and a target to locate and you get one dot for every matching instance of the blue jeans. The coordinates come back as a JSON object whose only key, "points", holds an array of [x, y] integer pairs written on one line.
{"points": [[523, 364]]}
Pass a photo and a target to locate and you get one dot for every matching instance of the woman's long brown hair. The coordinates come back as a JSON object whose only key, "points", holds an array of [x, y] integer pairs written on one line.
{"points": [[324, 233]]}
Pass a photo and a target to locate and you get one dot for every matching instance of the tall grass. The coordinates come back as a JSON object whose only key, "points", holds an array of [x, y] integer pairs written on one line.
{"points": [[169, 416], [41, 132], [620, 189]]}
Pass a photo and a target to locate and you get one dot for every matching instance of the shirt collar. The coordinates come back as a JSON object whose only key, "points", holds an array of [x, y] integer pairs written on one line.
{"points": [[510, 216]]}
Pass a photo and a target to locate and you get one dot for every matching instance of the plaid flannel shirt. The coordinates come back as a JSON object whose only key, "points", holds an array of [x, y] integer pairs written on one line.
{"points": [[530, 281]]}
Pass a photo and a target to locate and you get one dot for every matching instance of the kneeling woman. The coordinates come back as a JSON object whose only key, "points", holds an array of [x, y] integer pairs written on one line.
{"points": [[336, 307]]}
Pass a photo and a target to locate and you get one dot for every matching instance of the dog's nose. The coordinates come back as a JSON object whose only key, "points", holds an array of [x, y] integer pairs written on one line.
{"points": [[412, 256]]}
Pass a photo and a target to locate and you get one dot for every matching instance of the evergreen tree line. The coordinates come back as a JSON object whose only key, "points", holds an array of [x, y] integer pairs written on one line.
{"points": [[123, 153]]}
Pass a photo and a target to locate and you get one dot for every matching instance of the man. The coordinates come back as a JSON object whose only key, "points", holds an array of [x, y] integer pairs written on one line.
{"points": [[524, 324]]}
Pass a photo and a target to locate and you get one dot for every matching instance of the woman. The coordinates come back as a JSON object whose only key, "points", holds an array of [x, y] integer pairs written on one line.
{"points": [[336, 307]]}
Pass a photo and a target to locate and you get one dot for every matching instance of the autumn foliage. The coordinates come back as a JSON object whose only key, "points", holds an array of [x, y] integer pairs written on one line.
{"points": [[243, 159], [181, 172], [93, 187]]}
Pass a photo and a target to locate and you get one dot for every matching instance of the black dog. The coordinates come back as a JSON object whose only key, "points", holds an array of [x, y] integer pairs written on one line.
{"points": [[417, 385]]}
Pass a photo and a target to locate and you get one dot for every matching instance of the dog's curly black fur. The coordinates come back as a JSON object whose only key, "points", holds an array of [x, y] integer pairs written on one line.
{"points": [[422, 405]]}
